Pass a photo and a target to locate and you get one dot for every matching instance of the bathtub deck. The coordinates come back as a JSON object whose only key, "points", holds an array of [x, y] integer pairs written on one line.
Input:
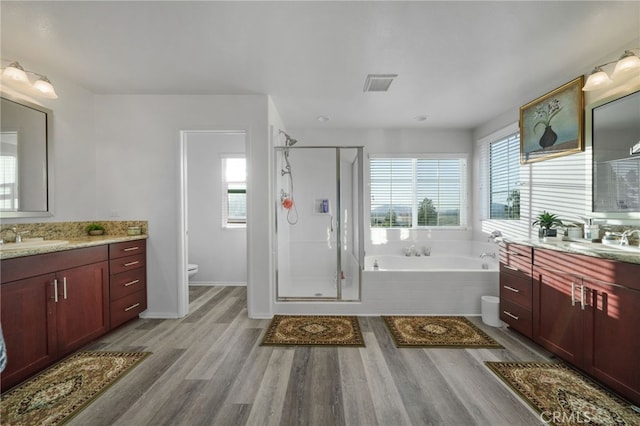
{"points": [[209, 369]]}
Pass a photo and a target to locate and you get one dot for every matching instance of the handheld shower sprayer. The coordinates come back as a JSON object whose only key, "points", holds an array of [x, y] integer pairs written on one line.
{"points": [[286, 199]]}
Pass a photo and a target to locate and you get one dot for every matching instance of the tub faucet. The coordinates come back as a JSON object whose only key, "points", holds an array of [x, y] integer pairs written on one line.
{"points": [[492, 254], [495, 234], [624, 239]]}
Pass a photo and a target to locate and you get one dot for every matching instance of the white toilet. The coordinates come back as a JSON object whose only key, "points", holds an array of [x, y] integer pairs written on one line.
{"points": [[192, 269]]}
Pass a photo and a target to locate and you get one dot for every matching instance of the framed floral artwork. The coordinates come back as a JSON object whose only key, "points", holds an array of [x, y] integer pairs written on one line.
{"points": [[553, 125]]}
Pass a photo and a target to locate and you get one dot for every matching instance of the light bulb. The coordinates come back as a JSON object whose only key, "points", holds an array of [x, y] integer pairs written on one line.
{"points": [[596, 80], [44, 88], [628, 61], [14, 72]]}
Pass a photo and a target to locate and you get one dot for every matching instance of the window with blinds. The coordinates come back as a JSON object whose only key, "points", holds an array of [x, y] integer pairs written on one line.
{"points": [[418, 192], [504, 178], [234, 192]]}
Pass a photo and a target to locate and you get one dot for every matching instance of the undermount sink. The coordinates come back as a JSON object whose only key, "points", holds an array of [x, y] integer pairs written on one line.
{"points": [[34, 243], [606, 247]]}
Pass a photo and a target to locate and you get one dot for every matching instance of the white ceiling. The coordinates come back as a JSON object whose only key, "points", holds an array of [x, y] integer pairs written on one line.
{"points": [[459, 63]]}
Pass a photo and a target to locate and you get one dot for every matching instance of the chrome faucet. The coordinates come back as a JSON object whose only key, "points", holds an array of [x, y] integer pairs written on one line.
{"points": [[624, 239], [495, 234], [492, 254]]}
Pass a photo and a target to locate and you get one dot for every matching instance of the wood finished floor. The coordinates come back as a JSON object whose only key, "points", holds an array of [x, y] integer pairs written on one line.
{"points": [[209, 369]]}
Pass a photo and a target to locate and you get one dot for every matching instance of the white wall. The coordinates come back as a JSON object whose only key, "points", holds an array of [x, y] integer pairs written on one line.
{"points": [[137, 146], [219, 252]]}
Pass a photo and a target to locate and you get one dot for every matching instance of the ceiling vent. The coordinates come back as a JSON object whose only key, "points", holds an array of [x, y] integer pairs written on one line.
{"points": [[378, 82]]}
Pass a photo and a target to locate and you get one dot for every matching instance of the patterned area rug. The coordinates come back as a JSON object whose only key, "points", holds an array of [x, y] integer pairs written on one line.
{"points": [[62, 391], [563, 396], [313, 330], [437, 331]]}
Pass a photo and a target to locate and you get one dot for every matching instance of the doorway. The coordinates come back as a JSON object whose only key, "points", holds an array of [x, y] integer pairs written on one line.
{"points": [[212, 228]]}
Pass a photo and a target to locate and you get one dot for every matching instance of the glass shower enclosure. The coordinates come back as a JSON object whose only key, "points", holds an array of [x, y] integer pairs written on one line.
{"points": [[318, 197]]}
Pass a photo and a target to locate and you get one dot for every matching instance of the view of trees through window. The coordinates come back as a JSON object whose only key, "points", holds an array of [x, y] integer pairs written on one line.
{"points": [[417, 192], [504, 178]]}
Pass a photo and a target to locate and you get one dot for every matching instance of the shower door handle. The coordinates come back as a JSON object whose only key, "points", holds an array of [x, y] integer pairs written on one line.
{"points": [[331, 222]]}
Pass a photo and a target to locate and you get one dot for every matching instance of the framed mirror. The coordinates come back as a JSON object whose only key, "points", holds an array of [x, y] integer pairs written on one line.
{"points": [[24, 159], [616, 155]]}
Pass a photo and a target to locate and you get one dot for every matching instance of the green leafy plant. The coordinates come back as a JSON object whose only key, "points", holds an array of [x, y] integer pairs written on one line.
{"points": [[94, 227], [547, 220]]}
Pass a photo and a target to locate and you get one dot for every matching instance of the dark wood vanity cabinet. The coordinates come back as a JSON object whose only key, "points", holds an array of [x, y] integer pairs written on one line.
{"points": [[515, 287], [52, 304], [587, 311], [128, 281]]}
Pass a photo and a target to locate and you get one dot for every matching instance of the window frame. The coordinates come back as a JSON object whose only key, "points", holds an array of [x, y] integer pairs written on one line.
{"points": [[232, 222], [464, 190]]}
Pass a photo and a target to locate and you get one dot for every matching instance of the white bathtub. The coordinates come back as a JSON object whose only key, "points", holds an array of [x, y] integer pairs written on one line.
{"points": [[429, 285], [426, 285], [453, 263]]}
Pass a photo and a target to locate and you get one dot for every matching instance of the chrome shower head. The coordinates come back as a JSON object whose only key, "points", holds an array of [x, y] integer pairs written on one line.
{"points": [[289, 141]]}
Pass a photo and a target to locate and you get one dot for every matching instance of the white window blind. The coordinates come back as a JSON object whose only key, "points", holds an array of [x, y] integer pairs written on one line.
{"points": [[504, 178], [418, 192], [234, 191]]}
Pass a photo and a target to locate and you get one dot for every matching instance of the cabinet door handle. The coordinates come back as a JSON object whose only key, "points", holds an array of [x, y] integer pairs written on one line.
{"points": [[131, 248], [131, 307], [515, 290], [131, 283], [55, 290], [573, 290], [582, 297], [511, 267], [132, 263], [64, 287], [507, 313]]}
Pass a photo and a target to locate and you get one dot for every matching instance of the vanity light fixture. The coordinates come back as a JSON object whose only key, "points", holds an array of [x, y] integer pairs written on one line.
{"points": [[14, 73], [598, 78]]}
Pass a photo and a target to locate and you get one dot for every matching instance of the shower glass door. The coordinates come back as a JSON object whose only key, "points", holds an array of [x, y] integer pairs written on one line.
{"points": [[318, 205]]}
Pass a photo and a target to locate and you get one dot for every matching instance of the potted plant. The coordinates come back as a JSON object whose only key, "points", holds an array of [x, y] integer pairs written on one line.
{"points": [[547, 221], [94, 229]]}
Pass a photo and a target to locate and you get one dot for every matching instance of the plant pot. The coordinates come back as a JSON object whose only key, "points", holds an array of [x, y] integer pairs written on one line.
{"points": [[96, 232], [544, 232]]}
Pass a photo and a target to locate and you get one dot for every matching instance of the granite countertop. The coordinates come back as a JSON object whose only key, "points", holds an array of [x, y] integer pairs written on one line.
{"points": [[586, 248], [72, 243]]}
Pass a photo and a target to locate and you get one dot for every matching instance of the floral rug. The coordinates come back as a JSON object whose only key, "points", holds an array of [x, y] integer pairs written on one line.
{"points": [[437, 331], [62, 391], [312, 330], [563, 396]]}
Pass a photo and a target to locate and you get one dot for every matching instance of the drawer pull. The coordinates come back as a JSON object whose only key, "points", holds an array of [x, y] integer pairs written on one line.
{"points": [[511, 267], [513, 253], [131, 307], [132, 263], [507, 313], [55, 290], [131, 283], [131, 248], [515, 290]]}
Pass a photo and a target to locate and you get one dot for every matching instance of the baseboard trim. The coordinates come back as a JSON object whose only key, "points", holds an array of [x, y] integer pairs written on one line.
{"points": [[159, 315], [218, 283]]}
